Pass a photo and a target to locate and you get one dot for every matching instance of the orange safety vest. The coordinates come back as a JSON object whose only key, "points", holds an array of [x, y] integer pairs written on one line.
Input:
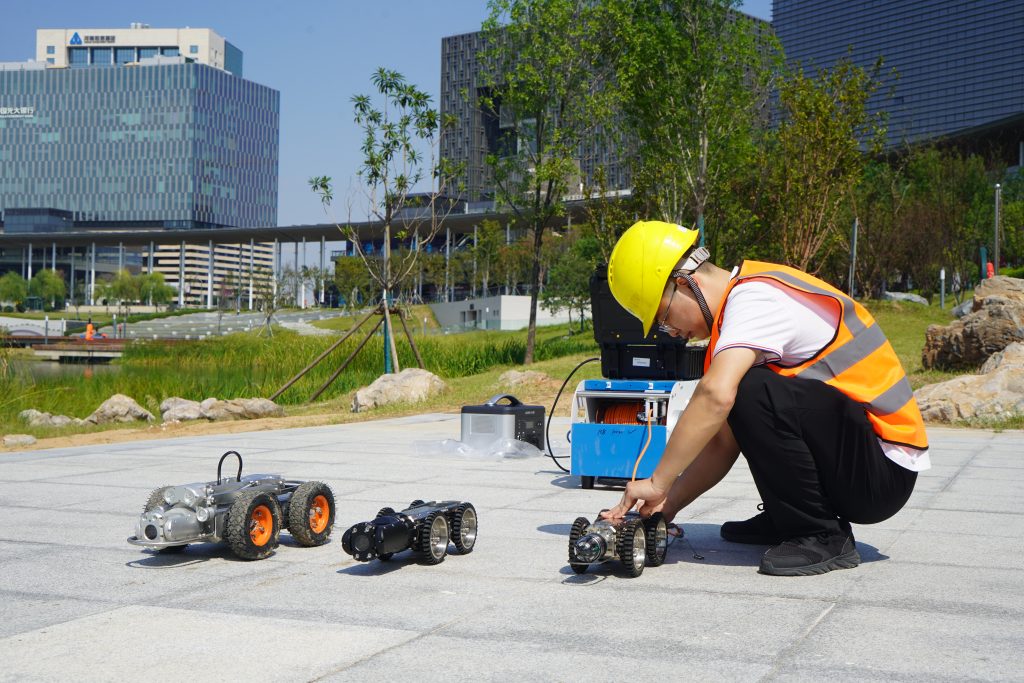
{"points": [[859, 361]]}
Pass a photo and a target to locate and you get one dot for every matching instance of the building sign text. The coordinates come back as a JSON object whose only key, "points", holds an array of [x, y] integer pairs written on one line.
{"points": [[17, 112]]}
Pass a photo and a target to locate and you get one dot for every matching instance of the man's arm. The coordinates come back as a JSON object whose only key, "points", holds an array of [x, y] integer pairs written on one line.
{"points": [[703, 418]]}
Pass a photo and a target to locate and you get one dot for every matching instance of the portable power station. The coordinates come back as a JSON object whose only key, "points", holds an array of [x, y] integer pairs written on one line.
{"points": [[483, 424]]}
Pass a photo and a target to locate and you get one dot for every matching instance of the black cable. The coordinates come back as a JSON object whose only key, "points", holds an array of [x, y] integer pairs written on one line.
{"points": [[547, 428]]}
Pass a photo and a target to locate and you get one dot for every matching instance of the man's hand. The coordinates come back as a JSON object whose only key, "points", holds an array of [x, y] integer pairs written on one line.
{"points": [[640, 490]]}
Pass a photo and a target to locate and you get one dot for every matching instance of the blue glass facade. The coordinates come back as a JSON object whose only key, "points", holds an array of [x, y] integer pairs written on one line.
{"points": [[960, 63], [180, 145]]}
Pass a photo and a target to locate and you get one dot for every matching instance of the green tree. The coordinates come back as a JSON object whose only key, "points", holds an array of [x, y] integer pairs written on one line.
{"points": [[13, 288], [568, 286], [48, 285], [815, 157], [353, 281], [153, 289], [947, 217], [490, 236], [694, 82], [544, 68], [394, 132]]}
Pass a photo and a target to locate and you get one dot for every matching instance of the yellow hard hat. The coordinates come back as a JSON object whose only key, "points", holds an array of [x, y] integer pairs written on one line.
{"points": [[641, 264]]}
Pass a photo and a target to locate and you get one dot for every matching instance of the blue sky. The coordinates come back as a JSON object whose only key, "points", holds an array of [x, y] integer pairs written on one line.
{"points": [[316, 54]]}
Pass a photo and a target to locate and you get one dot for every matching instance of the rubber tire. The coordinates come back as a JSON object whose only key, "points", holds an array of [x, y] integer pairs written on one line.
{"points": [[624, 547], [155, 499], [384, 557], [416, 502], [457, 523], [298, 513], [576, 533], [425, 549], [237, 525], [652, 526], [587, 482]]}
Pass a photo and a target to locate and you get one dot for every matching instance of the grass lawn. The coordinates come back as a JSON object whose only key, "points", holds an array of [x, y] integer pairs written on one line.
{"points": [[420, 320]]}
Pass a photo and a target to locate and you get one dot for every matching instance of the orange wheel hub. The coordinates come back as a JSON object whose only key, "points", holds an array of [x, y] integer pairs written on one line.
{"points": [[261, 525], [319, 514]]}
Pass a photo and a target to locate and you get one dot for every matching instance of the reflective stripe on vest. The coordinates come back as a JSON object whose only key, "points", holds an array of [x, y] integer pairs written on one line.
{"points": [[859, 361]]}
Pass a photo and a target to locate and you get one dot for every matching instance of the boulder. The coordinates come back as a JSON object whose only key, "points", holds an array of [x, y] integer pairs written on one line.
{"points": [[36, 418], [997, 393], [904, 296], [175, 409], [240, 409], [515, 378], [999, 287], [409, 385], [119, 408], [996, 321], [963, 308], [17, 440]]}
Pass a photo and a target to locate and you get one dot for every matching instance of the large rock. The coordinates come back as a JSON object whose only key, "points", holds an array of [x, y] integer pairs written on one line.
{"points": [[999, 287], [904, 296], [119, 408], [515, 378], [37, 418], [409, 385], [17, 440], [176, 409], [996, 321], [997, 393], [240, 409]]}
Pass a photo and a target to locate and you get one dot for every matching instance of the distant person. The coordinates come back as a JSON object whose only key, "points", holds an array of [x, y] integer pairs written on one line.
{"points": [[990, 270], [90, 331], [798, 377]]}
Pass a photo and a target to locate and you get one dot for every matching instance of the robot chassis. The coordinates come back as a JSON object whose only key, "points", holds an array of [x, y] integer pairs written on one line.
{"points": [[632, 540], [425, 527], [247, 512]]}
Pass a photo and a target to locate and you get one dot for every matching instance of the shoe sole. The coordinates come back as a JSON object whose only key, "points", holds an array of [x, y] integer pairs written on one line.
{"points": [[845, 561]]}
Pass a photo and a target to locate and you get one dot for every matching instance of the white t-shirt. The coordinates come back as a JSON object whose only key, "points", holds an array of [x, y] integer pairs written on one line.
{"points": [[787, 327]]}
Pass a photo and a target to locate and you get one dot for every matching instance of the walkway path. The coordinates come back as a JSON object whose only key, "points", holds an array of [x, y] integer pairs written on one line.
{"points": [[939, 596]]}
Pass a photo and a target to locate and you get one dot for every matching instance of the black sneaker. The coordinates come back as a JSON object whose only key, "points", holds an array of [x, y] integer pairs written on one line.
{"points": [[809, 555], [758, 530]]}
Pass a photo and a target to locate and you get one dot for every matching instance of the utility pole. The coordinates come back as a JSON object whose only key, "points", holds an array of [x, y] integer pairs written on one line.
{"points": [[999, 200]]}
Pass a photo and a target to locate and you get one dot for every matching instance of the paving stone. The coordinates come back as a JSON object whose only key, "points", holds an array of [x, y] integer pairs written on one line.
{"points": [[936, 598]]}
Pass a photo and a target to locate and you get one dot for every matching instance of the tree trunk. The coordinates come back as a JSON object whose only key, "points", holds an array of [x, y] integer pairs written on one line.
{"points": [[531, 335]]}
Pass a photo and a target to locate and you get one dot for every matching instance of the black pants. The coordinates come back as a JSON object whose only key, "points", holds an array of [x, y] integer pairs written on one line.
{"points": [[814, 457]]}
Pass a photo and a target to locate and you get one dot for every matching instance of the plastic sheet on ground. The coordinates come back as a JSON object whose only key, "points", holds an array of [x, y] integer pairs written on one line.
{"points": [[499, 449]]}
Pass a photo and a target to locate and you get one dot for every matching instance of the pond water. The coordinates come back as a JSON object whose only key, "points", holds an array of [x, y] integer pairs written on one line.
{"points": [[40, 369]]}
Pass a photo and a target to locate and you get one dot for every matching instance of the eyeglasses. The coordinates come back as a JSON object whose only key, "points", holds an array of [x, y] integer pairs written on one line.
{"points": [[662, 325]]}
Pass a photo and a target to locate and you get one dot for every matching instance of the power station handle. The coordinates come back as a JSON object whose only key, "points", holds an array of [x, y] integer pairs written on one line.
{"points": [[513, 401], [234, 453]]}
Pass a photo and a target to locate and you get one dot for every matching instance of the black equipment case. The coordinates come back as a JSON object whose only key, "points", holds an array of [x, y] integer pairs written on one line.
{"points": [[626, 353]]}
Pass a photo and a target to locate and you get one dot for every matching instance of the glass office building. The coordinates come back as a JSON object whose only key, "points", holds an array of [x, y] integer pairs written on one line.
{"points": [[960, 63], [162, 145]]}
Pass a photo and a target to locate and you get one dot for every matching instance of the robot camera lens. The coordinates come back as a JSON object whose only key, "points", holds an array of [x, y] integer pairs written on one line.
{"points": [[360, 542], [150, 532]]}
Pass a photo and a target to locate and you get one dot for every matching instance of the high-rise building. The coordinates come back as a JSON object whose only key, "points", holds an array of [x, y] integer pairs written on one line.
{"points": [[159, 141], [136, 129], [478, 132], [959, 63]]}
